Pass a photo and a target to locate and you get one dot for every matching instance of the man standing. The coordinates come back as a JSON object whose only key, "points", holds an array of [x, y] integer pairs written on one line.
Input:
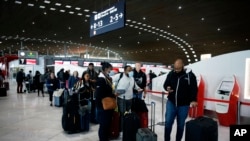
{"points": [[19, 79], [93, 74], [181, 85], [141, 81]]}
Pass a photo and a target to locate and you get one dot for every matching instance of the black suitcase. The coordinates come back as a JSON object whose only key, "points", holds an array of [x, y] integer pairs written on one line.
{"points": [[131, 123], [3, 92], [6, 85], [201, 129], [71, 116]]}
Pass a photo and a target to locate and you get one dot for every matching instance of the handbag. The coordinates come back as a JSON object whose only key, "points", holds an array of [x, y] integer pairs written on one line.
{"points": [[109, 103], [58, 93]]}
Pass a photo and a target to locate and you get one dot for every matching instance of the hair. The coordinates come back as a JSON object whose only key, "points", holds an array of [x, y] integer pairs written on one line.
{"points": [[83, 79], [91, 64], [125, 67], [105, 65], [37, 73]]}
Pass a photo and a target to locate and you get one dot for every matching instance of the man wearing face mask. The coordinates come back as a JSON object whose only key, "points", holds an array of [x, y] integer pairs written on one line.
{"points": [[181, 85], [124, 81]]}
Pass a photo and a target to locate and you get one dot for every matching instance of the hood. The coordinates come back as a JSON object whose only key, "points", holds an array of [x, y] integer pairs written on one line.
{"points": [[188, 70]]}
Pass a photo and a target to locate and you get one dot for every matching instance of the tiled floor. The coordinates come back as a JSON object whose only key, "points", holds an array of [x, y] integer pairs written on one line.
{"points": [[26, 117]]}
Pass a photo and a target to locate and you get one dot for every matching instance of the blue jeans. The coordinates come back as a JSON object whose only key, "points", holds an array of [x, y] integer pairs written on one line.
{"points": [[138, 95], [172, 112], [104, 118]]}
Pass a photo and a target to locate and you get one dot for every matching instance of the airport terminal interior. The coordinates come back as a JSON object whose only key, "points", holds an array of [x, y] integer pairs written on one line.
{"points": [[211, 37]]}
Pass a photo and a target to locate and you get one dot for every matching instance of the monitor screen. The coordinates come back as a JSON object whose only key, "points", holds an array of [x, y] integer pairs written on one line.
{"points": [[27, 61], [226, 85]]}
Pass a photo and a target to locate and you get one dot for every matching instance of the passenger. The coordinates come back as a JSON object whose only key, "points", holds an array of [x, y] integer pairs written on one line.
{"points": [[104, 89], [84, 86], [151, 76], [73, 79], [182, 87], [1, 78], [19, 79], [42, 81], [52, 84], [125, 82], [60, 76], [93, 74], [141, 81], [37, 81], [29, 79]]}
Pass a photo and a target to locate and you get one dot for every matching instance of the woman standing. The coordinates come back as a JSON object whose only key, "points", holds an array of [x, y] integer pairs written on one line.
{"points": [[104, 89], [52, 84], [84, 86], [36, 81]]}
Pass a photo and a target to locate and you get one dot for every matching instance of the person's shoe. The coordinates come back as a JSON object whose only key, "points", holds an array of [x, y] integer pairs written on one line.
{"points": [[51, 104]]}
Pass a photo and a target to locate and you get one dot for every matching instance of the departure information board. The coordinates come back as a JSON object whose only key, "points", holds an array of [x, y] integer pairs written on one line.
{"points": [[107, 20]]}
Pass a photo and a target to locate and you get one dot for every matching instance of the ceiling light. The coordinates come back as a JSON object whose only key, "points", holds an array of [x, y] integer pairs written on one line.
{"points": [[138, 42], [133, 21], [196, 60], [139, 33], [246, 40], [30, 4], [202, 19], [180, 7], [23, 30], [144, 18], [87, 15], [80, 14], [128, 20], [18, 2], [33, 22], [86, 20], [45, 13], [218, 29], [86, 10], [78, 8], [168, 26], [68, 6], [144, 25], [189, 60], [94, 12], [139, 23], [186, 34], [69, 27], [62, 10], [58, 4], [71, 12], [41, 6], [52, 9], [46, 1]]}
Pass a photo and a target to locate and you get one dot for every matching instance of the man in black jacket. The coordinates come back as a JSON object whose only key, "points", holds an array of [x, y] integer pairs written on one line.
{"points": [[181, 85], [141, 81], [19, 79]]}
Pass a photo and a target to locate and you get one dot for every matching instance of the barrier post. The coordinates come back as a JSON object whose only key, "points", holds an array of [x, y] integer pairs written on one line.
{"points": [[238, 112], [162, 123], [148, 102]]}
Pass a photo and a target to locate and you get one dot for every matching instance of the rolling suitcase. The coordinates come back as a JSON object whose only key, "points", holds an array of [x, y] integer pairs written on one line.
{"points": [[6, 85], [146, 134], [131, 123], [71, 117], [140, 108], [58, 97], [201, 129], [115, 125], [3, 92], [84, 109]]}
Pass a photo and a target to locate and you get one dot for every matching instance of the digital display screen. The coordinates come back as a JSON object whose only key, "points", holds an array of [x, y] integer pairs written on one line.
{"points": [[27, 61], [226, 85], [107, 20]]}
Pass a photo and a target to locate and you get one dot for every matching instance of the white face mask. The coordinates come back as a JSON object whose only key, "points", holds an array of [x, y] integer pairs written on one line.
{"points": [[131, 73], [111, 73]]}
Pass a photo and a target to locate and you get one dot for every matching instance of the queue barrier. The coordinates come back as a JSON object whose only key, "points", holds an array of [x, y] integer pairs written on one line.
{"points": [[205, 99]]}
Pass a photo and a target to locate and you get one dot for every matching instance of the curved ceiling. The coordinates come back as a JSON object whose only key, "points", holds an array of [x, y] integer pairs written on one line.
{"points": [[156, 31]]}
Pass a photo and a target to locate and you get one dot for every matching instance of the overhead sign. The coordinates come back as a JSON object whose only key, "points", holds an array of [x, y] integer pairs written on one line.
{"points": [[109, 19], [27, 54]]}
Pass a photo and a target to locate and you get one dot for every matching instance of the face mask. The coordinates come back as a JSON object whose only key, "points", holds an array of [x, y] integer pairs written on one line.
{"points": [[111, 73], [131, 74]]}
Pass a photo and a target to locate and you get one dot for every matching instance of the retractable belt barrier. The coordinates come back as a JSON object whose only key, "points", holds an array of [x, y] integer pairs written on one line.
{"points": [[205, 99]]}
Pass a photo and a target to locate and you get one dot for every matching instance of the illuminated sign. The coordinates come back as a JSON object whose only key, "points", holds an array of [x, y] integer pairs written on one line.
{"points": [[109, 19], [27, 54]]}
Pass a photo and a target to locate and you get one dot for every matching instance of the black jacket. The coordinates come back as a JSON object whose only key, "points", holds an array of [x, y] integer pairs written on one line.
{"points": [[20, 76], [103, 89], [140, 79], [184, 86]]}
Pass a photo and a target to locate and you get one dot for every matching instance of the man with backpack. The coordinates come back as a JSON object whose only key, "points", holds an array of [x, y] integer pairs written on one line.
{"points": [[124, 86], [141, 80], [61, 78]]}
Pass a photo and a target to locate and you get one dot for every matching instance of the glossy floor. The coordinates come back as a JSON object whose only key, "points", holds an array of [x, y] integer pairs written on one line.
{"points": [[27, 117]]}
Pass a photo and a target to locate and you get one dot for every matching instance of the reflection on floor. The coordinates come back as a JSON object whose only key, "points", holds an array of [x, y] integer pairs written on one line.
{"points": [[27, 117]]}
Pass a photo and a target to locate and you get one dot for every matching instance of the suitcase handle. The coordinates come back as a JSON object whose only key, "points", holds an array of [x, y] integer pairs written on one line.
{"points": [[153, 116], [194, 112]]}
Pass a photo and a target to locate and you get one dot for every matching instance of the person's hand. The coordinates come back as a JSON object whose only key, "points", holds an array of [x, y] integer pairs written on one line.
{"points": [[116, 94], [193, 104], [169, 89], [144, 95]]}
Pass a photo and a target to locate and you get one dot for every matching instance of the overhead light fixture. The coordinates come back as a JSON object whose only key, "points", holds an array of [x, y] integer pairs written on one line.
{"points": [[87, 15], [62, 10], [41, 6], [202, 19], [180, 7], [18, 2], [30, 4], [46, 1], [68, 6], [128, 20], [52, 9], [144, 18], [218, 29], [94, 12], [86, 10], [58, 4], [78, 8], [79, 14], [71, 12]]}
